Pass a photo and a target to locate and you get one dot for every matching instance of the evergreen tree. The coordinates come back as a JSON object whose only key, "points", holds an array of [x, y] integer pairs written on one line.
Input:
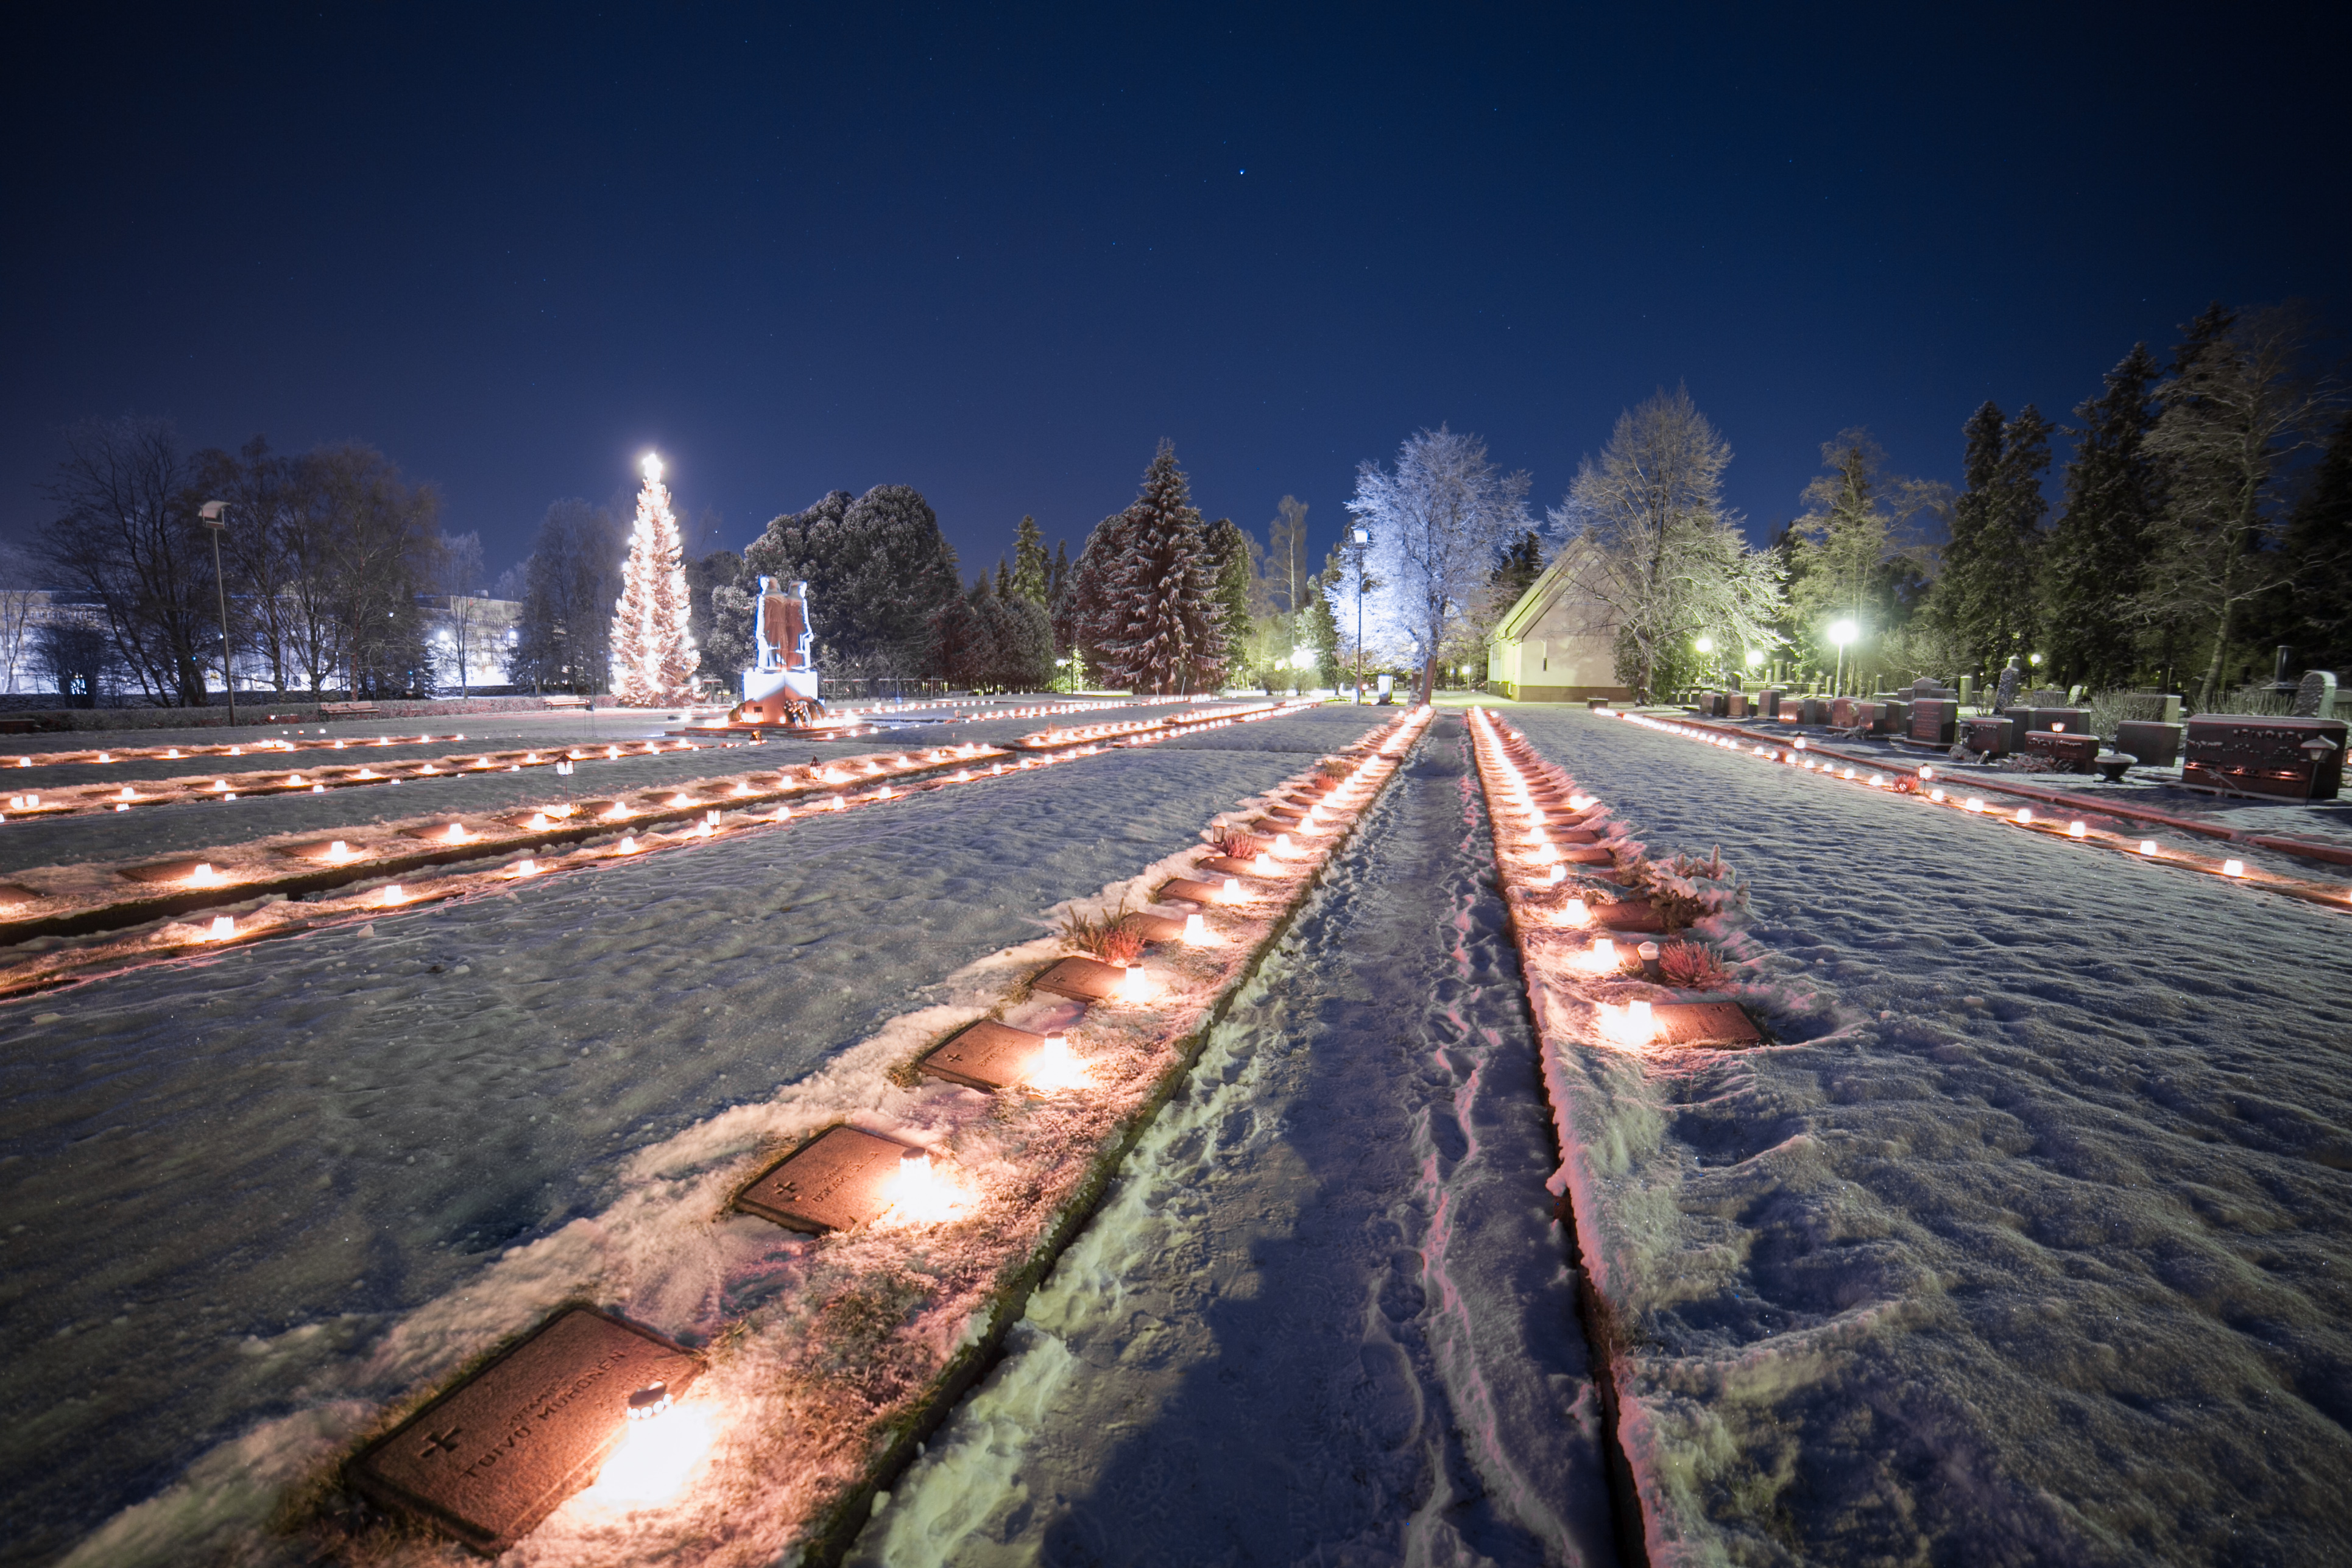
{"points": [[1522, 563], [2319, 552], [1983, 597], [1031, 576], [653, 651], [1229, 548], [1003, 578], [2098, 552], [2233, 414], [1153, 605], [876, 566], [1319, 625]]}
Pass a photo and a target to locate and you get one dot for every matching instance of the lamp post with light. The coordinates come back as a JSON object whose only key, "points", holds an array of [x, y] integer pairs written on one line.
{"points": [[1359, 540], [215, 519], [1840, 632]]}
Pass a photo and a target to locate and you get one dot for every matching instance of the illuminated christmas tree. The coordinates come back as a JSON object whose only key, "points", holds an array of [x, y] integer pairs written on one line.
{"points": [[653, 656]]}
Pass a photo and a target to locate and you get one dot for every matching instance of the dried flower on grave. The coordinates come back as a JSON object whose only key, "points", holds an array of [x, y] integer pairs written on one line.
{"points": [[1712, 868], [1115, 937], [1676, 899], [1334, 768], [1692, 966], [1238, 846]]}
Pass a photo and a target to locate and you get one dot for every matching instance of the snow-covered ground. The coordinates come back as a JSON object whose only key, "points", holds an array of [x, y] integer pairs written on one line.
{"points": [[228, 1181], [2043, 1253], [1323, 1318]]}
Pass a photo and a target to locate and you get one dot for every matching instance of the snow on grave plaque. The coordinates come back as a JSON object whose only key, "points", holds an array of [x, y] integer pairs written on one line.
{"points": [[1189, 891], [490, 1458]]}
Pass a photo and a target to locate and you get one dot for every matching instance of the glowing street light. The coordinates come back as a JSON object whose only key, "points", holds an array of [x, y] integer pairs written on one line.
{"points": [[1841, 633], [653, 469]]}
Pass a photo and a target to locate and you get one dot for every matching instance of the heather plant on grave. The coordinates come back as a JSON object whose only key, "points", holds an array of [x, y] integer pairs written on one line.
{"points": [[1115, 937], [1238, 846], [1692, 966], [1333, 768]]}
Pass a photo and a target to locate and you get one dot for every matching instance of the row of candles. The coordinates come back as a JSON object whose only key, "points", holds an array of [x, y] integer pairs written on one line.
{"points": [[1528, 857], [665, 1440], [1922, 785]]}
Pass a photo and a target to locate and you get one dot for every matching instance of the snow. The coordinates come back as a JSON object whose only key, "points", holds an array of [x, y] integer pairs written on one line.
{"points": [[2033, 1244], [261, 1196], [1324, 1316]]}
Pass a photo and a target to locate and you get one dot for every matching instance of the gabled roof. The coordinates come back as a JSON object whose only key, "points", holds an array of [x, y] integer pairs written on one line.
{"points": [[1548, 588]]}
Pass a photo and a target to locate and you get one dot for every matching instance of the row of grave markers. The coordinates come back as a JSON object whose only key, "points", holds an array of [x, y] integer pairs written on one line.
{"points": [[1083, 1048], [295, 876], [1924, 785]]}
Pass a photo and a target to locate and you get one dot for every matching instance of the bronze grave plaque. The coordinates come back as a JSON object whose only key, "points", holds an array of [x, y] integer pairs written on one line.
{"points": [[490, 1458], [989, 1055], [1226, 865], [1191, 891], [1157, 928], [1705, 1024], [838, 1179], [1629, 914], [1082, 979]]}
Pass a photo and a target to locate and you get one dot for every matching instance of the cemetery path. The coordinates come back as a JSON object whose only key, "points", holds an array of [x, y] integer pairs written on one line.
{"points": [[2036, 1247], [1324, 1315], [227, 1181]]}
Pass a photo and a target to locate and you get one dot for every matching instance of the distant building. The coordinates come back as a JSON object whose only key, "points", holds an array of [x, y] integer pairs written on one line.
{"points": [[1558, 643], [472, 639]]}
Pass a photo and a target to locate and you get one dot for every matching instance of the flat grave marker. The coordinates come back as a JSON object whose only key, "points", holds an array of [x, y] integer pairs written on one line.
{"points": [[836, 1180], [490, 1458], [1189, 891], [1705, 1024], [987, 1055], [1081, 979]]}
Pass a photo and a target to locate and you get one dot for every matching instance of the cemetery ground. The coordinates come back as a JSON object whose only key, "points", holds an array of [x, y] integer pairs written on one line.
{"points": [[2026, 1240]]}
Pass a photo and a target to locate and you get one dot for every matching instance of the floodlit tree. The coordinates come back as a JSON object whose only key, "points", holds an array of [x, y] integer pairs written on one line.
{"points": [[1290, 581], [464, 620], [1651, 539], [1033, 574], [2234, 412], [2097, 557], [1440, 524], [653, 643], [1150, 600], [1852, 556], [1230, 550]]}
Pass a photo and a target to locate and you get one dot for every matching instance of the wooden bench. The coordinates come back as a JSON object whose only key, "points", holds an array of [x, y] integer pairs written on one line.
{"points": [[565, 701], [347, 710]]}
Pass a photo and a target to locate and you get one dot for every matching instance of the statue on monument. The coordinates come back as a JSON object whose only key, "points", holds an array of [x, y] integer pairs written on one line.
{"points": [[781, 687]]}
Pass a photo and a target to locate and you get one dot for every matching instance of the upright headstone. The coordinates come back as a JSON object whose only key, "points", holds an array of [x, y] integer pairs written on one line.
{"points": [[1768, 703], [2157, 746], [2006, 693], [2291, 759], [1993, 735], [1968, 690], [2315, 697], [1933, 719], [1894, 717]]}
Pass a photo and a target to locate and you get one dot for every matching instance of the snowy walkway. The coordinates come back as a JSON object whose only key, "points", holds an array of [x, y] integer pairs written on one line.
{"points": [[1323, 1318], [2043, 1253], [225, 1181]]}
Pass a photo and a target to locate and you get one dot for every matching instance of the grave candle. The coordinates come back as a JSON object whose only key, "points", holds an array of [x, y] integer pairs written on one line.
{"points": [[2147, 846], [1604, 956], [2076, 830], [2233, 867], [1230, 893], [224, 927], [204, 876], [391, 895], [1196, 929], [1576, 912], [1641, 1024], [339, 850]]}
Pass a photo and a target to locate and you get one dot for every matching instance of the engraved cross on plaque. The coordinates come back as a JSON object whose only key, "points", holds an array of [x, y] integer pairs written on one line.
{"points": [[439, 1443]]}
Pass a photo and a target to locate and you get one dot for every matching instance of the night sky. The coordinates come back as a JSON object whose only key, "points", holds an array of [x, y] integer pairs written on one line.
{"points": [[997, 255]]}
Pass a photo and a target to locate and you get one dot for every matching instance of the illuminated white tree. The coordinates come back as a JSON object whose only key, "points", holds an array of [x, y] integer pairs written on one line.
{"points": [[653, 654]]}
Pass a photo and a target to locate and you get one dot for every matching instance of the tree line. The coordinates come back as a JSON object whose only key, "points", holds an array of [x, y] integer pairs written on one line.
{"points": [[2205, 515], [325, 560]]}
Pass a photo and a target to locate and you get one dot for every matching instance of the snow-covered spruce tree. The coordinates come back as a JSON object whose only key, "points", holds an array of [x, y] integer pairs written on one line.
{"points": [[876, 566], [1033, 573], [1981, 597], [1440, 524], [1154, 616], [2098, 552], [653, 651], [1852, 557], [1650, 538]]}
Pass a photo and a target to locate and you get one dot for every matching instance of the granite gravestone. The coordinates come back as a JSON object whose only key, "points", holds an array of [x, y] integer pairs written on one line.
{"points": [[1935, 720], [2154, 744], [2315, 697], [837, 1180], [2266, 756]]}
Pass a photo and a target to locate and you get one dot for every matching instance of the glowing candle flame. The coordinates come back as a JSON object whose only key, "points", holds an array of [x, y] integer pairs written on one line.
{"points": [[1133, 986], [917, 1193], [2147, 846], [1263, 864], [1056, 1068], [628, 845], [539, 819], [1602, 959], [524, 867], [654, 1460], [2233, 867], [2076, 830], [339, 850], [1975, 803], [1936, 794], [456, 833], [224, 927]]}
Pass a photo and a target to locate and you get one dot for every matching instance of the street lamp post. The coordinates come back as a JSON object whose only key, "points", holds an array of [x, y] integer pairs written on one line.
{"points": [[1362, 537], [216, 516], [1840, 632]]}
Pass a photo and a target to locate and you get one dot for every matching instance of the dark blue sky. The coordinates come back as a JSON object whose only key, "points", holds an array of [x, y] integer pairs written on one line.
{"points": [[997, 255]]}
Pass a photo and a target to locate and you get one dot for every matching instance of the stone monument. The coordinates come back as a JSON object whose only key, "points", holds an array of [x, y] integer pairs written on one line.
{"points": [[781, 688]]}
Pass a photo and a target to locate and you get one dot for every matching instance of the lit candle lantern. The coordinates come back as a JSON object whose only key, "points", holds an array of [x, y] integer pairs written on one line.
{"points": [[1641, 1024], [1936, 794], [524, 867], [456, 833], [1133, 986], [1926, 773], [224, 927], [1196, 929], [2076, 830], [391, 895], [1230, 893], [339, 850], [1975, 803], [1576, 912], [628, 845], [1604, 956], [2147, 846], [2233, 867], [1263, 865], [204, 876], [2024, 814]]}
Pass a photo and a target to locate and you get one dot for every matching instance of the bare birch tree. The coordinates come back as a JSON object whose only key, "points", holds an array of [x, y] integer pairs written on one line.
{"points": [[1650, 537], [1439, 523]]}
